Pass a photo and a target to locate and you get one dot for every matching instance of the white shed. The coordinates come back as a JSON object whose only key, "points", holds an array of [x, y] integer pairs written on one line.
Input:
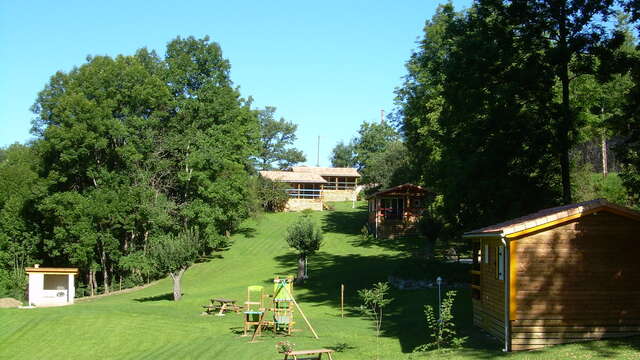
{"points": [[51, 286]]}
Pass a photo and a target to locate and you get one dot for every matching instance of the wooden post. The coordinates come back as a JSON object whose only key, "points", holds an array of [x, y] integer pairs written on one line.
{"points": [[342, 300]]}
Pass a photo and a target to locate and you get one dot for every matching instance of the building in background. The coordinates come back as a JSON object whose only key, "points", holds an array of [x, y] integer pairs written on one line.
{"points": [[395, 212], [50, 286], [310, 187]]}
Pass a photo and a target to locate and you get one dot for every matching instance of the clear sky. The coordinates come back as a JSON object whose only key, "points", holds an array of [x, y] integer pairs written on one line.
{"points": [[326, 65]]}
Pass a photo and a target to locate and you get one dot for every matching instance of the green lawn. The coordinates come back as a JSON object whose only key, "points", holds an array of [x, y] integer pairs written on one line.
{"points": [[146, 325]]}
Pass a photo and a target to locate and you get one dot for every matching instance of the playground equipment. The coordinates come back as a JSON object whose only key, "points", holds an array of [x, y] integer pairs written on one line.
{"points": [[282, 310], [254, 307]]}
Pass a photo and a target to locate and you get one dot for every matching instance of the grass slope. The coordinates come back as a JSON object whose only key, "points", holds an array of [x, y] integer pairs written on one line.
{"points": [[146, 325]]}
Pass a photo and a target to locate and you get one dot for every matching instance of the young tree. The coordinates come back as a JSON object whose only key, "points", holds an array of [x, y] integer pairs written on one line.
{"points": [[306, 237], [374, 301], [173, 255], [342, 155], [276, 136]]}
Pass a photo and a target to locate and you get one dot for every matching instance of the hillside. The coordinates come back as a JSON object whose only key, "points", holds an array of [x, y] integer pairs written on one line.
{"points": [[146, 325]]}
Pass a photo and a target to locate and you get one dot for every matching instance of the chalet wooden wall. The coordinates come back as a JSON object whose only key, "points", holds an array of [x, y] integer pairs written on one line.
{"points": [[488, 311], [578, 281]]}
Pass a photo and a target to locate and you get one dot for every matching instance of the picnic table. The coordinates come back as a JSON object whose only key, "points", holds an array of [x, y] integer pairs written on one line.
{"points": [[221, 305], [317, 354]]}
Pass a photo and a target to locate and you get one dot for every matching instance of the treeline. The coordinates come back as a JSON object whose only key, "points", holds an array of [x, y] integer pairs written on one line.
{"points": [[127, 151], [500, 100]]}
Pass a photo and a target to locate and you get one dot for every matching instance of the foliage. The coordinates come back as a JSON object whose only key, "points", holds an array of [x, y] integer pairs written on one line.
{"points": [[306, 238], [343, 155], [374, 300], [442, 327], [275, 137], [589, 185], [389, 167], [284, 346], [365, 235], [273, 195], [174, 254], [128, 149]]}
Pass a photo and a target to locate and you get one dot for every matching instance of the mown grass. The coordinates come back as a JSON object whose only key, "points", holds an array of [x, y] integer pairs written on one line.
{"points": [[146, 324]]}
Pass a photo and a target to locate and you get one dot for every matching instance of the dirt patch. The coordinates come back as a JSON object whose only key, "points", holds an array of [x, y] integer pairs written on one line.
{"points": [[9, 303]]}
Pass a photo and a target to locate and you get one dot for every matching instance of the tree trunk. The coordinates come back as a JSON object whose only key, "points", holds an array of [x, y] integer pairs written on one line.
{"points": [[90, 281], [566, 122], [300, 277], [94, 282], [105, 270], [605, 159], [177, 288]]}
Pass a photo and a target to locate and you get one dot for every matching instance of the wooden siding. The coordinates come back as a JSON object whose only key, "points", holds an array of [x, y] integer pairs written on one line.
{"points": [[488, 311], [577, 281]]}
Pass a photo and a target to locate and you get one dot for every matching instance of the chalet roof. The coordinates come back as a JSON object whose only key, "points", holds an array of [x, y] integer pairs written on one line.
{"points": [[293, 177], [404, 188], [51, 270], [552, 216], [327, 171]]}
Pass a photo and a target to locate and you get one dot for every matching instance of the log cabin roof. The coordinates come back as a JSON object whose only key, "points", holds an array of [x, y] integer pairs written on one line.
{"points": [[403, 189], [550, 217], [293, 177], [51, 270], [327, 171]]}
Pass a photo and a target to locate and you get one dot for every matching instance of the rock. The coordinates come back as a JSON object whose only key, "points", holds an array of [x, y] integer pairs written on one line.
{"points": [[9, 303]]}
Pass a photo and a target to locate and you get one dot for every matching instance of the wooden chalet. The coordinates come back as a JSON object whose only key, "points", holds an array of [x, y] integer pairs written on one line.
{"points": [[341, 182], [561, 275], [305, 189], [396, 211]]}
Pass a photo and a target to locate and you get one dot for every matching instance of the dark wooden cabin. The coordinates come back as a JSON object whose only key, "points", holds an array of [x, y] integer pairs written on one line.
{"points": [[561, 275], [396, 211]]}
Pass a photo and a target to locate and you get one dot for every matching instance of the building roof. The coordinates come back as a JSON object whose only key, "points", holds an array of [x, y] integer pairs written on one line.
{"points": [[400, 189], [51, 270], [327, 171], [552, 216], [293, 177]]}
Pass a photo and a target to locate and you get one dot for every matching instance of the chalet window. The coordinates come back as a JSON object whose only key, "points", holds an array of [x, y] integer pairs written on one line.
{"points": [[485, 254], [500, 263], [393, 208]]}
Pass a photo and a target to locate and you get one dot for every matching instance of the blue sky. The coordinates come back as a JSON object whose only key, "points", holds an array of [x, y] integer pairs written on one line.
{"points": [[327, 66]]}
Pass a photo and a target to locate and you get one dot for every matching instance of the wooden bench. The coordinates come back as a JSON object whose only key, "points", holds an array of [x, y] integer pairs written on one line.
{"points": [[316, 354], [221, 305]]}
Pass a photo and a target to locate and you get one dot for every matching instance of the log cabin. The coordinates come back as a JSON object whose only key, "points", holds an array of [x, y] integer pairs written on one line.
{"points": [[395, 212], [341, 182], [304, 190], [561, 275]]}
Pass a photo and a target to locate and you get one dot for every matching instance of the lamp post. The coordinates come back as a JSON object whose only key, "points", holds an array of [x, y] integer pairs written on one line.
{"points": [[439, 282]]}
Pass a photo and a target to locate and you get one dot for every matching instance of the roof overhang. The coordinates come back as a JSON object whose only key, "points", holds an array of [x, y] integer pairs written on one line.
{"points": [[51, 270]]}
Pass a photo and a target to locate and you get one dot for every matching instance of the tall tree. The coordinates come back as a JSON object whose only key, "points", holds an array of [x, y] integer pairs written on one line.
{"points": [[343, 155], [276, 138], [573, 29]]}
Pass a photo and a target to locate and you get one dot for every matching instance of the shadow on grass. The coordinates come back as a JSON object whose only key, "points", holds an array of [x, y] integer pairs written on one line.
{"points": [[248, 232], [162, 297]]}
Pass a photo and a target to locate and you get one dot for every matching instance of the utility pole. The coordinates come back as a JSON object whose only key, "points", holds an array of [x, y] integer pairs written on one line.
{"points": [[318, 157], [382, 116]]}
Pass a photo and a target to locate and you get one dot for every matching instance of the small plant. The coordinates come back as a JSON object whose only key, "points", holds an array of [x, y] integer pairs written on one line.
{"points": [[365, 236], [284, 347], [442, 331], [306, 213], [374, 300]]}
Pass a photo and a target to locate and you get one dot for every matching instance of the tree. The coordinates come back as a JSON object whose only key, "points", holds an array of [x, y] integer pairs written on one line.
{"points": [[273, 195], [374, 301], [275, 137], [343, 155], [372, 138], [306, 238], [486, 118], [173, 255], [573, 31], [390, 167]]}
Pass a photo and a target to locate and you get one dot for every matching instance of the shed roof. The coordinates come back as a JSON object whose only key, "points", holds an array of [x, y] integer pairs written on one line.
{"points": [[293, 177], [552, 216], [51, 270], [327, 171], [401, 189]]}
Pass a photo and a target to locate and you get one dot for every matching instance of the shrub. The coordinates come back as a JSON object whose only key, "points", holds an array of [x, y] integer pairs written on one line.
{"points": [[273, 195], [374, 300]]}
